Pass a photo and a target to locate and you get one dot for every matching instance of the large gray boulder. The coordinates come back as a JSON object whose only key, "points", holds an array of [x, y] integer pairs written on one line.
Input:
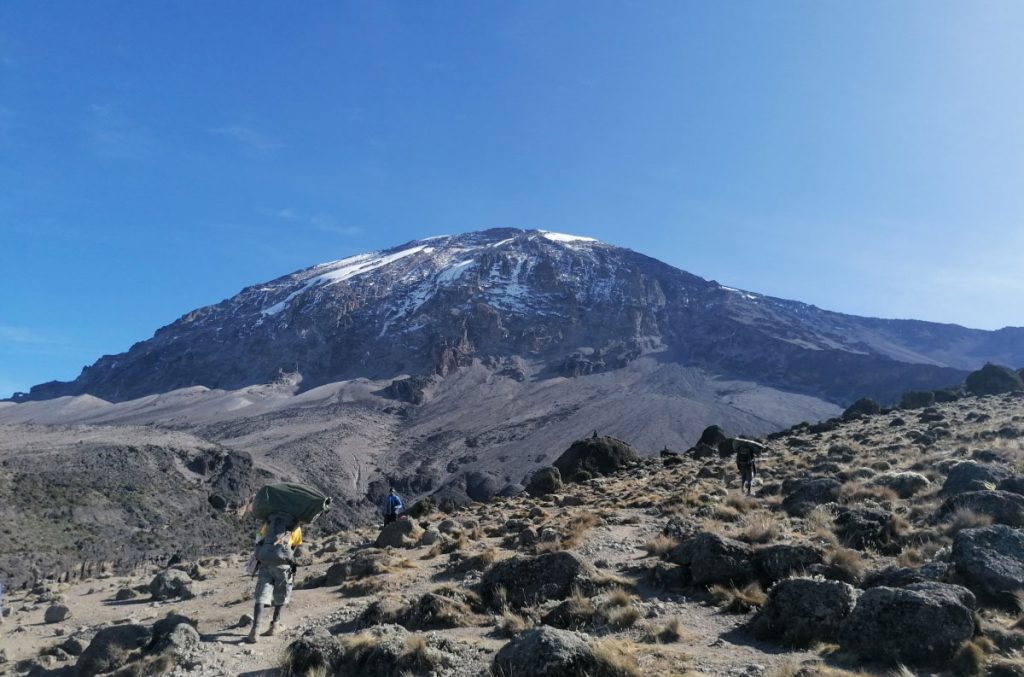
{"points": [[549, 652], [900, 577], [1003, 507], [596, 456], [779, 561], [403, 533], [990, 560], [866, 526], [993, 379], [315, 652], [547, 480], [923, 624], [805, 495], [712, 559], [802, 611], [112, 648], [971, 476], [171, 584], [905, 484], [526, 580]]}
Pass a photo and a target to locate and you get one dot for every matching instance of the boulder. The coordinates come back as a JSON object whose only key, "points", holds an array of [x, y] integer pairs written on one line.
{"points": [[545, 481], [905, 484], [712, 436], [924, 624], [971, 476], [358, 565], [549, 652], [865, 406], [384, 651], [1014, 484], [56, 613], [993, 379], [990, 560], [171, 584], [528, 580], [916, 399], [1002, 506], [802, 611], [597, 456], [112, 648], [776, 562], [804, 495], [713, 559], [125, 594], [866, 526], [482, 486], [316, 652], [403, 533], [900, 577]]}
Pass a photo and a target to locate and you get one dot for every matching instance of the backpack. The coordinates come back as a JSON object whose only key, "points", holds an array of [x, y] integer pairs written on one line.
{"points": [[275, 548]]}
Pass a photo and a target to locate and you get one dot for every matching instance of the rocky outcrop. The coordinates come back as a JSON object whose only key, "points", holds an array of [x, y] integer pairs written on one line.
{"points": [[403, 533], [171, 584], [544, 481], [991, 562], [805, 495], [905, 484], [923, 624], [971, 476], [1002, 506], [549, 652], [525, 580], [712, 559], [801, 611], [993, 379], [779, 561], [595, 456]]}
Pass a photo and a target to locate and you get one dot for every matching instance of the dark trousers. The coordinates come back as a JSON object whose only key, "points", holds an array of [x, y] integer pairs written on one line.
{"points": [[389, 518]]}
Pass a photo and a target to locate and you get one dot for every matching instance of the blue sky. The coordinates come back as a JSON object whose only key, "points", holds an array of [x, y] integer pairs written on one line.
{"points": [[867, 157]]}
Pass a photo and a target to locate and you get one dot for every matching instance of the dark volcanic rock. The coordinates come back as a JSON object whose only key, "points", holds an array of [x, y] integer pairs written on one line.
{"points": [[111, 648], [900, 577], [549, 652], [528, 580], [993, 379], [801, 611], [545, 481], [171, 584], [806, 494], [971, 476], [1002, 506], [991, 561], [865, 406], [596, 455], [919, 625], [712, 559], [779, 561], [864, 526]]}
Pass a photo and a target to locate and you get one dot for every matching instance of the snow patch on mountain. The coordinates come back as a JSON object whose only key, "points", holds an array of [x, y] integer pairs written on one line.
{"points": [[562, 237]]}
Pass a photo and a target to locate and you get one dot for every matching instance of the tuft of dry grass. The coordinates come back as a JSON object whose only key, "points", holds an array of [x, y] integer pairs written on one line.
{"points": [[740, 502], [965, 518], [512, 624], [739, 600], [618, 657], [659, 545], [577, 527], [969, 660], [619, 597], [672, 631], [759, 528], [846, 562], [364, 587], [820, 522]]}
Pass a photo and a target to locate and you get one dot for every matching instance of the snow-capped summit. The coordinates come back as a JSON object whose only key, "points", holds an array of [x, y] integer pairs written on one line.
{"points": [[529, 304]]}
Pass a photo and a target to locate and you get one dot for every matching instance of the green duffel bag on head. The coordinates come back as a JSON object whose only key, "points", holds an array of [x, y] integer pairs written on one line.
{"points": [[302, 502]]}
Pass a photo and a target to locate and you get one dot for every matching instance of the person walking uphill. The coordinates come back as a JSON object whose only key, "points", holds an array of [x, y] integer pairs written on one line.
{"points": [[747, 452], [275, 557], [392, 507]]}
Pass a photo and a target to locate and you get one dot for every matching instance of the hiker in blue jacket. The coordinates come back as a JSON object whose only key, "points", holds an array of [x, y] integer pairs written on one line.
{"points": [[392, 507]]}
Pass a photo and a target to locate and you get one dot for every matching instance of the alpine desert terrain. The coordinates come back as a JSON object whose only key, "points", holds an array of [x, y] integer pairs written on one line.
{"points": [[883, 541]]}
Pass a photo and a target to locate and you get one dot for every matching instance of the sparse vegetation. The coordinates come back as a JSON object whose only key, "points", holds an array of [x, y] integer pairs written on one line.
{"points": [[739, 600]]}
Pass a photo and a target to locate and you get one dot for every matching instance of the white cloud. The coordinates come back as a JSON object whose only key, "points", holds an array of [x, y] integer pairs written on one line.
{"points": [[250, 139]]}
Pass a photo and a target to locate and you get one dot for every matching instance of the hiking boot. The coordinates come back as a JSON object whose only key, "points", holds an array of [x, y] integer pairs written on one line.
{"points": [[251, 637], [272, 630]]}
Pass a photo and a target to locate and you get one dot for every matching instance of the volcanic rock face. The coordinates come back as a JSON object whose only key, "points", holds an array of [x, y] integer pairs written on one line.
{"points": [[572, 305]]}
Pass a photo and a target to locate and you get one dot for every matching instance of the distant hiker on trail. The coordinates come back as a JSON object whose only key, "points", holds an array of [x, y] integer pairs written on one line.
{"points": [[275, 567], [746, 452], [392, 507]]}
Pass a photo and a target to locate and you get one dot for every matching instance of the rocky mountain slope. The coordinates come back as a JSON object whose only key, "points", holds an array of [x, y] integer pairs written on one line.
{"points": [[893, 539], [529, 305]]}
